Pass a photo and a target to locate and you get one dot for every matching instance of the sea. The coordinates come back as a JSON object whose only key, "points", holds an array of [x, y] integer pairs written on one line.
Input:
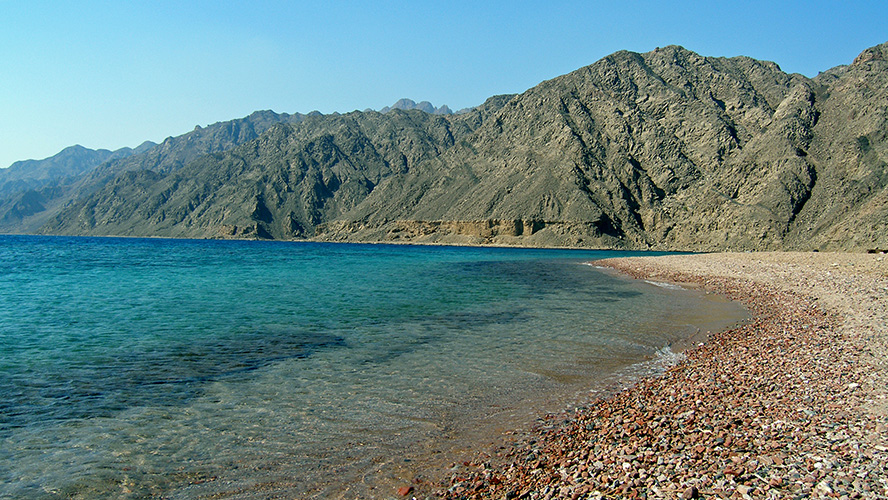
{"points": [[185, 369]]}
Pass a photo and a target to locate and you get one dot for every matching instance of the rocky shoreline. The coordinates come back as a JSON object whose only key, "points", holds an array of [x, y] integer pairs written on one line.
{"points": [[791, 404]]}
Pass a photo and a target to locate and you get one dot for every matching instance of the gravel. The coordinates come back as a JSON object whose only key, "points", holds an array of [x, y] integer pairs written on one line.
{"points": [[791, 404]]}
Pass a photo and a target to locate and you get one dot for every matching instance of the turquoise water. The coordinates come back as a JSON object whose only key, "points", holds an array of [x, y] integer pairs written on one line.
{"points": [[139, 368]]}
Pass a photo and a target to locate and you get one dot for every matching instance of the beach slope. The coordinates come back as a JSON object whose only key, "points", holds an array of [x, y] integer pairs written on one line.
{"points": [[791, 404]]}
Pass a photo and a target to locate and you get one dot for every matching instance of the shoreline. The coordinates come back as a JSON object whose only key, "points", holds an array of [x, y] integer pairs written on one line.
{"points": [[791, 403]]}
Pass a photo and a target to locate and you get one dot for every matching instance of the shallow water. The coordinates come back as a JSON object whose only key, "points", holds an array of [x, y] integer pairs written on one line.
{"points": [[132, 368]]}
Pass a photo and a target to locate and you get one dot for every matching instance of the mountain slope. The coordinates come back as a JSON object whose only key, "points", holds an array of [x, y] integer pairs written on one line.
{"points": [[666, 150], [70, 162], [26, 206], [676, 151], [280, 185], [849, 203]]}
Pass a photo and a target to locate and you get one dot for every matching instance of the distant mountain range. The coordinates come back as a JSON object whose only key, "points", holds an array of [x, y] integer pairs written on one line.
{"points": [[405, 104], [663, 150], [70, 162]]}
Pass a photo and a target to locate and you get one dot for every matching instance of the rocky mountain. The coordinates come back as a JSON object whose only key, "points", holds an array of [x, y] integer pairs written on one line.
{"points": [[281, 185], [406, 104], [38, 189], [70, 162], [664, 150]]}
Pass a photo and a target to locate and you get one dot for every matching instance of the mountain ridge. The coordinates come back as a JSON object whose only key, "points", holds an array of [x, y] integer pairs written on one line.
{"points": [[26, 210], [665, 150], [69, 162], [405, 104]]}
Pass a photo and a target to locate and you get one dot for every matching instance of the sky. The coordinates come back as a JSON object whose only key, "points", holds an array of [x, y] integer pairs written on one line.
{"points": [[113, 74]]}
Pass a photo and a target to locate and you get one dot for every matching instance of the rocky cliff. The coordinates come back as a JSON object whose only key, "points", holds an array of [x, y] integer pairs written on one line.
{"points": [[665, 150]]}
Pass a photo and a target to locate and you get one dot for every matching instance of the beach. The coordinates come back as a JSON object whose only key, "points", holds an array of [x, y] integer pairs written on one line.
{"points": [[790, 404]]}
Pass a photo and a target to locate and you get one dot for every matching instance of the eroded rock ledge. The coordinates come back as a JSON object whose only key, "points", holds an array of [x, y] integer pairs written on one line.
{"points": [[518, 232]]}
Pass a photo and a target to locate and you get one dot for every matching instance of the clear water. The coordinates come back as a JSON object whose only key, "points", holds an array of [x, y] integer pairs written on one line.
{"points": [[136, 368]]}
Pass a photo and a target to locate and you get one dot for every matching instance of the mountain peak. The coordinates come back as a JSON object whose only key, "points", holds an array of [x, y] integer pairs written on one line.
{"points": [[877, 53], [406, 104]]}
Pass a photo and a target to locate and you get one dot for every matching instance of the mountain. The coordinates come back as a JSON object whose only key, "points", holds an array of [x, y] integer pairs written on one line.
{"points": [[665, 150], [70, 162], [426, 106], [41, 188], [281, 185]]}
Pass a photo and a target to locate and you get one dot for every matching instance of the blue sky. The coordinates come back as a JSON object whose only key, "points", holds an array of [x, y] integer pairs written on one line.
{"points": [[113, 74]]}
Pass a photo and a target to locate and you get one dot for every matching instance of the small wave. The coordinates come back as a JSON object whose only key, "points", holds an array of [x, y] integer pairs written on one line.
{"points": [[670, 286], [664, 358], [667, 358], [592, 264]]}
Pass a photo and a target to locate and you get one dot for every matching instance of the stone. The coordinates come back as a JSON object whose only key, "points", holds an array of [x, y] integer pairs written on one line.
{"points": [[690, 492]]}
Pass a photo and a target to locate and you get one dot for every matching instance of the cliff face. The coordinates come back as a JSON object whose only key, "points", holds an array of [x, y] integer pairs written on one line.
{"points": [[665, 150]]}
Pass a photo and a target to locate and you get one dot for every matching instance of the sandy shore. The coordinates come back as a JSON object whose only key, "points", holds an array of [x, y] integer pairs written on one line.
{"points": [[791, 404]]}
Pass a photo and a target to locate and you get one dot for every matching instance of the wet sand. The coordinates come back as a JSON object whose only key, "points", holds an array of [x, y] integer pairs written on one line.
{"points": [[792, 404]]}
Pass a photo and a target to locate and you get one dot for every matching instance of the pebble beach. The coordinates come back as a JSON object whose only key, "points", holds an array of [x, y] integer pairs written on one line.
{"points": [[790, 404]]}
